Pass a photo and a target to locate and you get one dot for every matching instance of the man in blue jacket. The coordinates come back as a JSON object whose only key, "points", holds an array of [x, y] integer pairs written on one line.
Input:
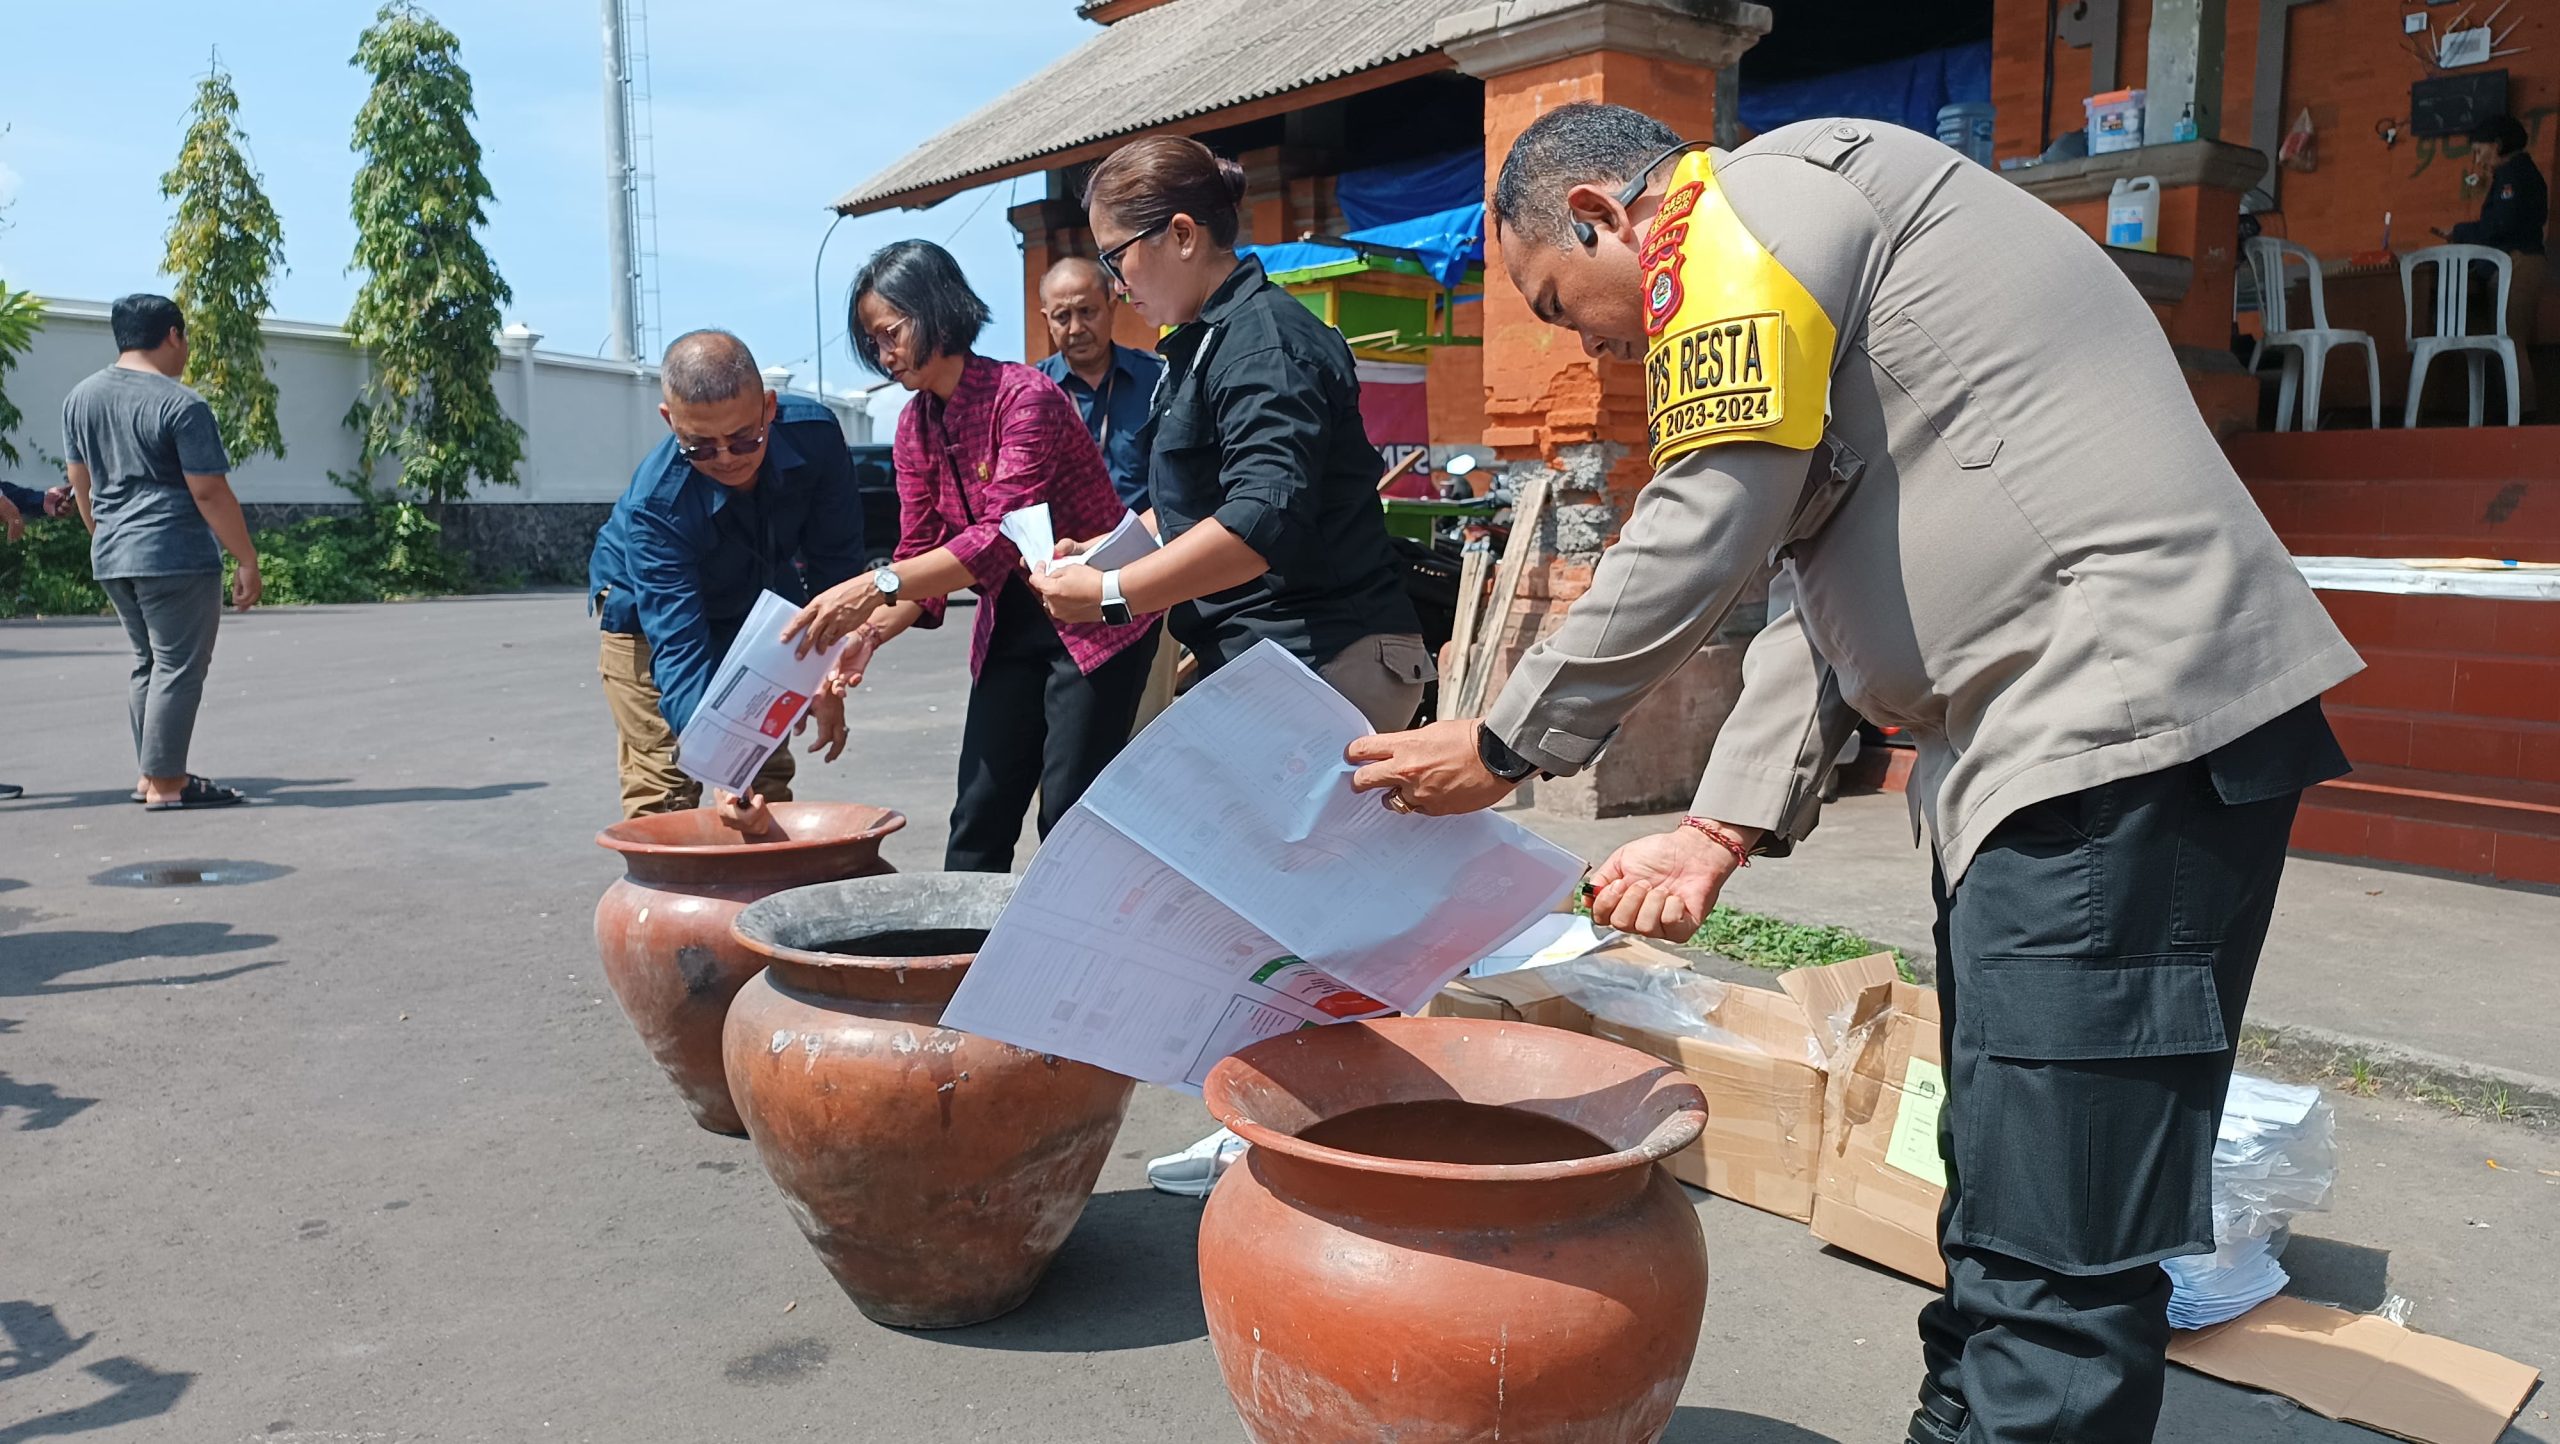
{"points": [[749, 493]]}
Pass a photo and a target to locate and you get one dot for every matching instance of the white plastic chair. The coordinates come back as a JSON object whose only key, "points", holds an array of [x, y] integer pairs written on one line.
{"points": [[2453, 324], [2307, 364]]}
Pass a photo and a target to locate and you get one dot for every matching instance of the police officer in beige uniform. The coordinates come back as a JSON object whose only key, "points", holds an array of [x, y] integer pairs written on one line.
{"points": [[2013, 536]]}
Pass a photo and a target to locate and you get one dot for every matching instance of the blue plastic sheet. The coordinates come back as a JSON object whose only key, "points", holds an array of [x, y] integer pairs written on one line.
{"points": [[1448, 243], [1906, 92], [1384, 194]]}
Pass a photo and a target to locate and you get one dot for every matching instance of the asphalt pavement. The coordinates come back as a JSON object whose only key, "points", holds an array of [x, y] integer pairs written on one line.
{"points": [[317, 1122]]}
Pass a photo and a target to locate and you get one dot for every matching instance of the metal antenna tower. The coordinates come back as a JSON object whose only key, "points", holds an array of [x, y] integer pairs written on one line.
{"points": [[631, 219]]}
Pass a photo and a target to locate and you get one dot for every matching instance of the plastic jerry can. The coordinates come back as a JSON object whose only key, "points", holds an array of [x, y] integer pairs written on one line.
{"points": [[2133, 214]]}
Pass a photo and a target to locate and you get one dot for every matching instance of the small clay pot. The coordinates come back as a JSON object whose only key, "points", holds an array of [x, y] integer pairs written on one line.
{"points": [[935, 1172], [663, 928], [1452, 1272]]}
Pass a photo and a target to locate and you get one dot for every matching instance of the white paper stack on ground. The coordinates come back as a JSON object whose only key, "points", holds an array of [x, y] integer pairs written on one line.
{"points": [[2275, 1155], [1221, 883], [759, 691]]}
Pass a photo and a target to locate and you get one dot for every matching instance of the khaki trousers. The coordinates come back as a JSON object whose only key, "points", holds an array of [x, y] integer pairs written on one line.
{"points": [[650, 781], [1159, 693]]}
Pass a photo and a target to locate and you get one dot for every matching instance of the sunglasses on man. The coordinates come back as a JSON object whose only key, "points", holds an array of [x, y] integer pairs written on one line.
{"points": [[744, 444], [1110, 259]]}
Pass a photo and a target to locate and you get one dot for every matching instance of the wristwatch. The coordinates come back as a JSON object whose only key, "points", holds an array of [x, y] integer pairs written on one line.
{"points": [[1115, 608], [885, 581], [1499, 759]]}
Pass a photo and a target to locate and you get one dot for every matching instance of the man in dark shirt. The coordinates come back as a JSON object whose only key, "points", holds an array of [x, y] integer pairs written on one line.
{"points": [[745, 486], [2518, 205], [1111, 384]]}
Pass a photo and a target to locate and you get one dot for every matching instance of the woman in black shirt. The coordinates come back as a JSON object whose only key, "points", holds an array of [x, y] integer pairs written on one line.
{"points": [[1263, 479]]}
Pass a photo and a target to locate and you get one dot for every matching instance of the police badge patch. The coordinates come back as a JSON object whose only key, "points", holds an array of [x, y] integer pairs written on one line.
{"points": [[1662, 296]]}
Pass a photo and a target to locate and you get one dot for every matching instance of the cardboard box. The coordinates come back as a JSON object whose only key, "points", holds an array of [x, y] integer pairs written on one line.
{"points": [[2364, 1370], [1764, 1100], [1877, 1191]]}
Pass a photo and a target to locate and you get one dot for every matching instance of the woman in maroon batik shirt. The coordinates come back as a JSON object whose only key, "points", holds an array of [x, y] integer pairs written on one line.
{"points": [[1051, 702]]}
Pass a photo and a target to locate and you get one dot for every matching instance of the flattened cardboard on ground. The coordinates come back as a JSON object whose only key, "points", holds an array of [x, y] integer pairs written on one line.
{"points": [[1764, 1103], [1865, 1201], [2363, 1369]]}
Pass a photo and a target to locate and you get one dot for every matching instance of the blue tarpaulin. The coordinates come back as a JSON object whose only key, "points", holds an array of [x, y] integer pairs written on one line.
{"points": [[1447, 243], [1384, 194], [1907, 92]]}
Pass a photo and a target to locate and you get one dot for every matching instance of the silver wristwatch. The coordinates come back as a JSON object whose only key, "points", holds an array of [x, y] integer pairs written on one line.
{"points": [[885, 581], [1115, 608]]}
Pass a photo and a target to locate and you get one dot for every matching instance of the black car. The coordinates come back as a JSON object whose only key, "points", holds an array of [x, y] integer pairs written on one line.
{"points": [[876, 480]]}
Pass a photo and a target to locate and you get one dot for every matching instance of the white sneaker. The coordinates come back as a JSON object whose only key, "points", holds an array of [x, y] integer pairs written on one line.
{"points": [[1195, 1170]]}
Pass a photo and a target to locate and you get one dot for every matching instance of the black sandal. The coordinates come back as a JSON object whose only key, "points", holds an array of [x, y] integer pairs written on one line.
{"points": [[199, 792]]}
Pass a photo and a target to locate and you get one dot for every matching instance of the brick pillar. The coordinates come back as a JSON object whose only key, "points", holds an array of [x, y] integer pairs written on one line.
{"points": [[1051, 231], [1548, 405]]}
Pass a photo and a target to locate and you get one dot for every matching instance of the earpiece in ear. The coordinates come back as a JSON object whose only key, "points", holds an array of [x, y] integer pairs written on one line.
{"points": [[1586, 233]]}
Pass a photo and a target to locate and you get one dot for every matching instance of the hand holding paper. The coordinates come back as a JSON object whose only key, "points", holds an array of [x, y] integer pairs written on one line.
{"points": [[754, 700]]}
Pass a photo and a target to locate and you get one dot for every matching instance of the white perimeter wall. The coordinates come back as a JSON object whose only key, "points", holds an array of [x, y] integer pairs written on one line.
{"points": [[587, 422]]}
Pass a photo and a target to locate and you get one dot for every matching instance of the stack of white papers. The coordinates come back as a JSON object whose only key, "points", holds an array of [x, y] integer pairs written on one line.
{"points": [[754, 698], [2274, 1155], [1035, 536], [2206, 1289], [1221, 883]]}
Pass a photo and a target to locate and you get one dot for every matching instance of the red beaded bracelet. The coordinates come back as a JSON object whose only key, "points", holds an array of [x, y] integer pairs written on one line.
{"points": [[1721, 837]]}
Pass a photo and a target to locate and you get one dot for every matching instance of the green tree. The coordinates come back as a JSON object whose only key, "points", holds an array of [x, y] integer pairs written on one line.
{"points": [[225, 247], [427, 314], [21, 316]]}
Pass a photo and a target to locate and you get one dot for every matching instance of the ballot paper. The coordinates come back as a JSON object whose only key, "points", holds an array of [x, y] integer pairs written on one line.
{"points": [[754, 698], [1035, 535], [1221, 883], [1555, 938], [1032, 534], [1128, 542]]}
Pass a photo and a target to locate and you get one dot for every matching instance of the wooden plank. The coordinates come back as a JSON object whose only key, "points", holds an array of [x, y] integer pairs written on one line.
{"points": [[1528, 514], [1462, 636]]}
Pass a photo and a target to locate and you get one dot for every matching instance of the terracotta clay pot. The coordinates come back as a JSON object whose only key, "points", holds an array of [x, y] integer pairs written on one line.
{"points": [[936, 1172], [1451, 1272], [663, 929]]}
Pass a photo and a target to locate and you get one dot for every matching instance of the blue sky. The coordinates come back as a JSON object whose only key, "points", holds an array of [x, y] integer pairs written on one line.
{"points": [[765, 111]]}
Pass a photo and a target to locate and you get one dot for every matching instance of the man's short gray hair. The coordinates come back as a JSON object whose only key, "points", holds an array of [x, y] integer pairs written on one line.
{"points": [[705, 368], [1582, 143], [1076, 268]]}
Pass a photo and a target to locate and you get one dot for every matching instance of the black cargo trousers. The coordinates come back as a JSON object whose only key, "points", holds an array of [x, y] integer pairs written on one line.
{"points": [[2093, 965]]}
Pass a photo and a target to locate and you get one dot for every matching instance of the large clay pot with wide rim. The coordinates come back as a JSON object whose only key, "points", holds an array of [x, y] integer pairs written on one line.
{"points": [[663, 929], [935, 1172], [1450, 1272]]}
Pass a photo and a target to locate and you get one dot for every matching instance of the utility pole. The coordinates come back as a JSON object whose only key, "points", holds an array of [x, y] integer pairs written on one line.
{"points": [[621, 186]]}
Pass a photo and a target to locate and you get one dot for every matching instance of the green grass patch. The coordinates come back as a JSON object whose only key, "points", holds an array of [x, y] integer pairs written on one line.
{"points": [[1781, 946]]}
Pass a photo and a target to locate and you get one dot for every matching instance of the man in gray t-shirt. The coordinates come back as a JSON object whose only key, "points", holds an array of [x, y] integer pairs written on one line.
{"points": [[147, 465]]}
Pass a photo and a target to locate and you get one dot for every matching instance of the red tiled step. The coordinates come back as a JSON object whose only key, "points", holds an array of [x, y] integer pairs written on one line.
{"points": [[2488, 750], [2508, 831]]}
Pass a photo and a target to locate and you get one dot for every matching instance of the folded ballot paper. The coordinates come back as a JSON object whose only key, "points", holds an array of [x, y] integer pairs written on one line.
{"points": [[754, 698], [1034, 535], [1221, 883]]}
